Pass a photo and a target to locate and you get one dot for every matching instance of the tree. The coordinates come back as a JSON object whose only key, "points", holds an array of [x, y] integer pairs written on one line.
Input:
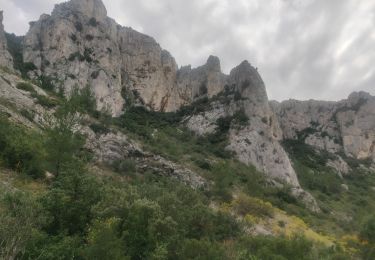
{"points": [[63, 141], [146, 232], [20, 150], [71, 199], [104, 242], [20, 214]]}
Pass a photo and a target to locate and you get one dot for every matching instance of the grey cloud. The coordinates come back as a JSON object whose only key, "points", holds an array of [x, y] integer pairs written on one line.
{"points": [[303, 48]]}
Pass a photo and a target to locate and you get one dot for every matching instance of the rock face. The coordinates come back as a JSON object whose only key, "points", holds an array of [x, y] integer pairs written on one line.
{"points": [[6, 59], [13, 101], [79, 45], [346, 126], [111, 147], [256, 142], [207, 80]]}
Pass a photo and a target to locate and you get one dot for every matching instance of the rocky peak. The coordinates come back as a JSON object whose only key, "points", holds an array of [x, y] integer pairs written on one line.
{"points": [[248, 82], [79, 45], [89, 8], [213, 64], [358, 98], [6, 59], [206, 80]]}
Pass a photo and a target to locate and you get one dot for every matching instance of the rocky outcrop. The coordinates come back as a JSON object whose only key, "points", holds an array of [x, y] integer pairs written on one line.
{"points": [[356, 122], [257, 141], [207, 80], [113, 147], [20, 105], [345, 126], [6, 59], [79, 45], [339, 165]]}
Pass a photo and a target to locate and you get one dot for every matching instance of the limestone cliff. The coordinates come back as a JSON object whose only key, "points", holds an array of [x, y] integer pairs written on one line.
{"points": [[257, 141], [346, 126], [207, 80], [6, 59], [79, 45]]}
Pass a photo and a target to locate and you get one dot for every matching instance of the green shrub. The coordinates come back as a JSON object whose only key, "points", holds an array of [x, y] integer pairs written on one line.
{"points": [[83, 100], [28, 114], [125, 167], [104, 242], [26, 87], [45, 101], [241, 118], [246, 205], [93, 22], [368, 230], [99, 128], [201, 249], [20, 216], [281, 248], [46, 83], [20, 150]]}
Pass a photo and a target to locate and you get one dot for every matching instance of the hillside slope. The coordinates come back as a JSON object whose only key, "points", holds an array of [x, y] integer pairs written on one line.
{"points": [[109, 151]]}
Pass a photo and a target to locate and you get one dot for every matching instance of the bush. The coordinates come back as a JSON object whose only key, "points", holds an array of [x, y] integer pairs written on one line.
{"points": [[281, 248], [201, 249], [93, 22], [368, 230], [104, 242], [45, 101], [26, 87], [241, 118], [245, 205], [99, 128], [20, 215], [20, 150], [46, 83], [83, 100], [125, 167], [28, 114]]}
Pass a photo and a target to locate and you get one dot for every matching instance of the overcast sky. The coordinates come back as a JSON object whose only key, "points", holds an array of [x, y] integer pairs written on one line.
{"points": [[322, 49]]}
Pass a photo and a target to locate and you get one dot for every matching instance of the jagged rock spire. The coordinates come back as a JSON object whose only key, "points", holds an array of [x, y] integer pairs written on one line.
{"points": [[89, 8]]}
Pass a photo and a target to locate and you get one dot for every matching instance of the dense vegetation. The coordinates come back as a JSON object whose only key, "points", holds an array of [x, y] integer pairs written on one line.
{"points": [[80, 214], [347, 202]]}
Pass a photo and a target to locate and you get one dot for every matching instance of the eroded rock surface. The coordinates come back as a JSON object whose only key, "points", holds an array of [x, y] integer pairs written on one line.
{"points": [[6, 59], [207, 80], [111, 147], [79, 45], [345, 126], [256, 142]]}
